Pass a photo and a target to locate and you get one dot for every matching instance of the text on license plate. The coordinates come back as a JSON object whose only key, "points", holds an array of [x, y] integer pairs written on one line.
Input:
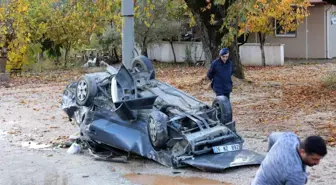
{"points": [[226, 148]]}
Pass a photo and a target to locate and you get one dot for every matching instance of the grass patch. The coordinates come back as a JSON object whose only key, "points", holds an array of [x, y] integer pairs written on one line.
{"points": [[330, 81]]}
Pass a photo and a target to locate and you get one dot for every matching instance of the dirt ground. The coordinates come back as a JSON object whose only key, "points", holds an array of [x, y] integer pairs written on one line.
{"points": [[291, 97]]}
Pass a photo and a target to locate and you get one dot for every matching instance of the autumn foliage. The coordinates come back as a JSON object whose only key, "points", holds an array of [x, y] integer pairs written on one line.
{"points": [[25, 24], [287, 13], [271, 15]]}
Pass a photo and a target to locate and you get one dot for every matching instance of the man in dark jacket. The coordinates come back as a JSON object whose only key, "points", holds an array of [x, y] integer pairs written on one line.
{"points": [[220, 73]]}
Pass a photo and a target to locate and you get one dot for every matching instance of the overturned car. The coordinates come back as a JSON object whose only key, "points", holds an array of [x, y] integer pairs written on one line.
{"points": [[128, 110]]}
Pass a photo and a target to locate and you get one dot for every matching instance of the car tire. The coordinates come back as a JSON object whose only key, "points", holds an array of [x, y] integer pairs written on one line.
{"points": [[143, 64], [224, 109], [86, 90], [157, 129]]}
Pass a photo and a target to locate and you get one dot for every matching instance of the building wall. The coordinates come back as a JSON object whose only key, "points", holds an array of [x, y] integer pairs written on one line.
{"points": [[295, 47], [332, 31], [163, 52], [274, 54]]}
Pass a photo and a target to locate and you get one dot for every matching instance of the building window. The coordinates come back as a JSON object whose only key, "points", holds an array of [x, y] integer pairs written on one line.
{"points": [[280, 32]]}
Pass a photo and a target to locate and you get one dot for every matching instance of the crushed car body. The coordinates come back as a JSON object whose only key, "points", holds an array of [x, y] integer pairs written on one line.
{"points": [[128, 110]]}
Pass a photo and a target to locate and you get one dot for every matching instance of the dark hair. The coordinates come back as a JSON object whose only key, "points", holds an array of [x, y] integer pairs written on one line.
{"points": [[314, 145]]}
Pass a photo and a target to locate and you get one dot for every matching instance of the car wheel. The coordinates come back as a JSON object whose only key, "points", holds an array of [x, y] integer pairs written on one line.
{"points": [[223, 109], [143, 64], [157, 129], [86, 90]]}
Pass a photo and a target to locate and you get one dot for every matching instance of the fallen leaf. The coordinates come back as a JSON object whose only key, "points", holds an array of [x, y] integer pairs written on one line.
{"points": [[331, 140], [53, 127], [23, 102], [333, 133]]}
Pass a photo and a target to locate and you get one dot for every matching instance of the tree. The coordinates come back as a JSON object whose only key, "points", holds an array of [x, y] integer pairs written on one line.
{"points": [[110, 39], [19, 26], [210, 16], [38, 11], [66, 26], [171, 24], [147, 23], [57, 23], [158, 20], [236, 16], [71, 23], [270, 15], [170, 32]]}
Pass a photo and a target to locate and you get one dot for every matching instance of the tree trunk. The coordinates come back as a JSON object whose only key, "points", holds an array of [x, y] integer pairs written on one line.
{"points": [[144, 51], [262, 43], [144, 47], [116, 54], [234, 50], [210, 36], [234, 53], [38, 60], [41, 56], [84, 56], [67, 49], [57, 60], [66, 57], [172, 47]]}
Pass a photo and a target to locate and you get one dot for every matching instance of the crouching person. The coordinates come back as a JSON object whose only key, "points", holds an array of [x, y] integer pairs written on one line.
{"points": [[287, 158]]}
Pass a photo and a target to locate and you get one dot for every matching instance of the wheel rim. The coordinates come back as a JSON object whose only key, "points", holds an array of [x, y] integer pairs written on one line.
{"points": [[152, 129], [139, 68], [82, 89]]}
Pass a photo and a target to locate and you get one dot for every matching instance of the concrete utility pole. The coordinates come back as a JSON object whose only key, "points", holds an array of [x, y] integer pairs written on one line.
{"points": [[127, 12]]}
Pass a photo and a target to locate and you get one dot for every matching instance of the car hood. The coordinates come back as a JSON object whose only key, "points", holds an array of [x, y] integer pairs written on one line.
{"points": [[222, 161]]}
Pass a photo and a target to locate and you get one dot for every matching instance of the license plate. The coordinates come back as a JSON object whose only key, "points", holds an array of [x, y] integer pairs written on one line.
{"points": [[226, 148]]}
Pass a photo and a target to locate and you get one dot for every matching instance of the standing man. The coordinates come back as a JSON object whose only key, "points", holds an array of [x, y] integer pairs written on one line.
{"points": [[220, 73], [287, 158]]}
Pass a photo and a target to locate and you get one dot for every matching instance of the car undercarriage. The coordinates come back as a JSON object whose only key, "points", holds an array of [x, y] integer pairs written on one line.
{"points": [[129, 110]]}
